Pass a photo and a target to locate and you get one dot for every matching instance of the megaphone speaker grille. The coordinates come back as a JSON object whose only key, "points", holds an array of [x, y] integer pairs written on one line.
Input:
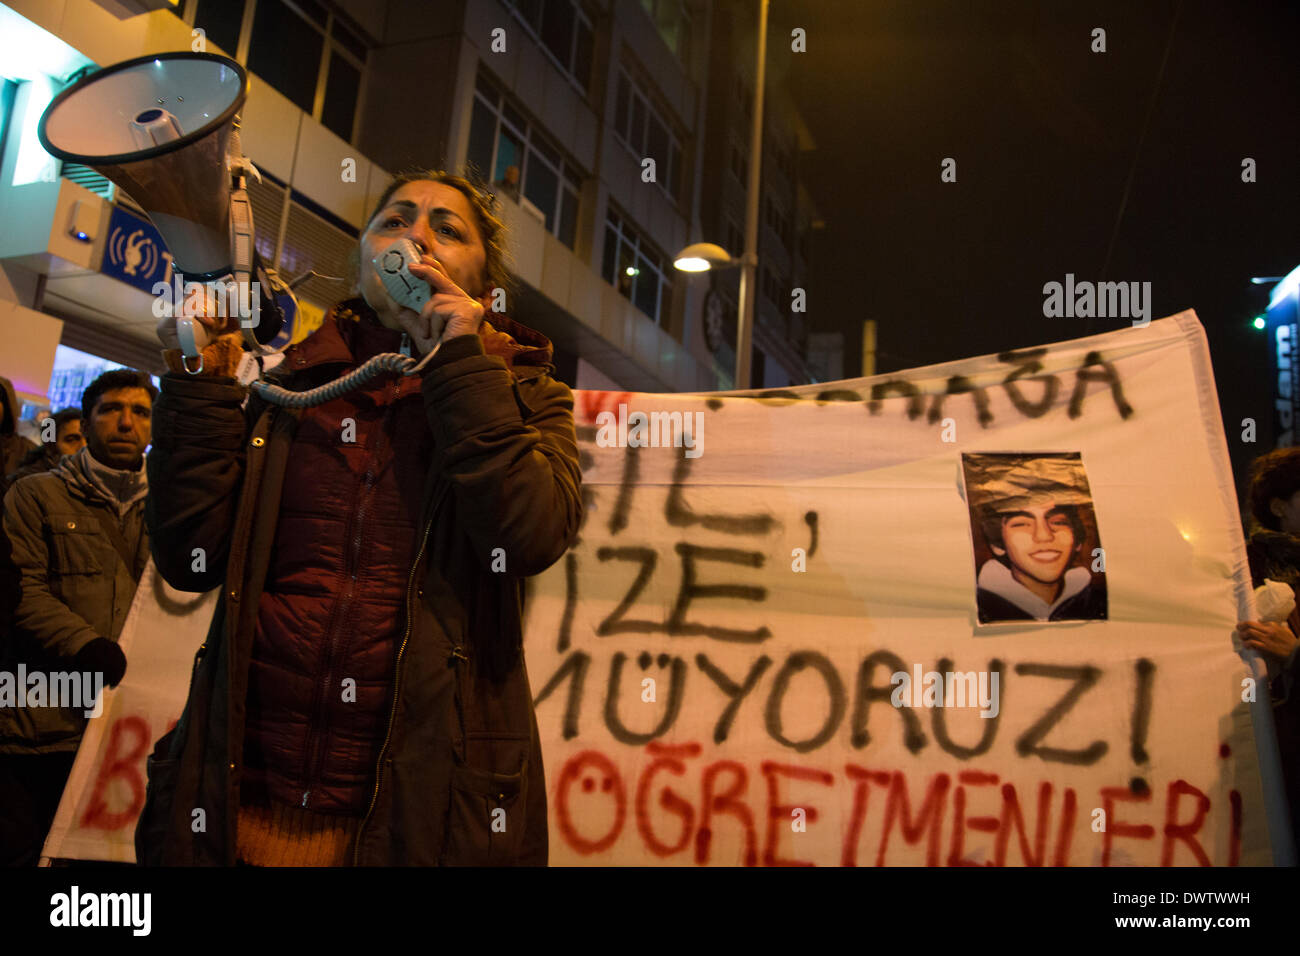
{"points": [[91, 122], [158, 127]]}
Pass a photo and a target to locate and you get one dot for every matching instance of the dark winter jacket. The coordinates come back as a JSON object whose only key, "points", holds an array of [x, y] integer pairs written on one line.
{"points": [[36, 462], [999, 597], [332, 607], [461, 739], [75, 587]]}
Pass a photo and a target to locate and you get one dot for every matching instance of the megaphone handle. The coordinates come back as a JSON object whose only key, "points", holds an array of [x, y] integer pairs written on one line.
{"points": [[193, 336]]}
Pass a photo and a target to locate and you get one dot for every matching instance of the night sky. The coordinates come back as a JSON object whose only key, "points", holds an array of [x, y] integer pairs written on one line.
{"points": [[1045, 134]]}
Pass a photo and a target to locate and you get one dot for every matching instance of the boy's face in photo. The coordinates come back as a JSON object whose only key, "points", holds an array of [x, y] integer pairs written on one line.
{"points": [[1040, 543]]}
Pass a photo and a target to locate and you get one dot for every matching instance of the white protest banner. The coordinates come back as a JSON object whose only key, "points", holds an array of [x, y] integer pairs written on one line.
{"points": [[739, 662], [714, 661], [105, 791]]}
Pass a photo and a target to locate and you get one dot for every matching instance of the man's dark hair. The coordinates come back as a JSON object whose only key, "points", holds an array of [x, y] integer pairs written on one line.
{"points": [[110, 381], [1275, 475], [71, 414], [991, 524]]}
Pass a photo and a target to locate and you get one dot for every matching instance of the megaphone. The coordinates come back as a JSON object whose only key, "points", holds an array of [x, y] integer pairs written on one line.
{"points": [[164, 128]]}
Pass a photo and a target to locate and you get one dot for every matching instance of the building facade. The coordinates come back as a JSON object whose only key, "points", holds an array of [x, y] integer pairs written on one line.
{"points": [[610, 131]]}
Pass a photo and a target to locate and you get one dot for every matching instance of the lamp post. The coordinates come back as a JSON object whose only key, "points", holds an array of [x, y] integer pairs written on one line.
{"points": [[702, 256], [749, 261]]}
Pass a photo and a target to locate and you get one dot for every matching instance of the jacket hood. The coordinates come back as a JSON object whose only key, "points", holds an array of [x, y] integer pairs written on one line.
{"points": [[40, 454], [9, 416], [351, 333], [72, 475], [996, 578], [86, 477]]}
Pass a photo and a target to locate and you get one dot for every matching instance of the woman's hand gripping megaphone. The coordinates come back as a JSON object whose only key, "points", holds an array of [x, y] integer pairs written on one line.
{"points": [[195, 328]]}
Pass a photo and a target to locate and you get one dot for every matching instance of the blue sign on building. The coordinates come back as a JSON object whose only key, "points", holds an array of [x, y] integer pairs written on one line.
{"points": [[1283, 318], [135, 252]]}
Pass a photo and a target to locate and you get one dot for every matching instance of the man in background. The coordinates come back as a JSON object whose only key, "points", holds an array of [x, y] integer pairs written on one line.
{"points": [[79, 545], [66, 439]]}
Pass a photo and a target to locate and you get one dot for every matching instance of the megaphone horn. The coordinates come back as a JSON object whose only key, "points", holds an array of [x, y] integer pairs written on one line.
{"points": [[159, 127]]}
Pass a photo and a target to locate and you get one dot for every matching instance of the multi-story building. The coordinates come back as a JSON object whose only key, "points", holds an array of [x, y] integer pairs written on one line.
{"points": [[592, 120], [786, 211]]}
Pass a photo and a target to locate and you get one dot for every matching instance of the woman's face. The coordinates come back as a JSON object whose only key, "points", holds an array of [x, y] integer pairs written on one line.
{"points": [[440, 221]]}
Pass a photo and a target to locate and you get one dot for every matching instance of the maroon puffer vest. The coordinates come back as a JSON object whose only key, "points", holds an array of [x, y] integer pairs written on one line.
{"points": [[333, 611]]}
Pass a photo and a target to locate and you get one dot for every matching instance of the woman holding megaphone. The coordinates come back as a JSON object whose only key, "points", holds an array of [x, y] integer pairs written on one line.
{"points": [[361, 698]]}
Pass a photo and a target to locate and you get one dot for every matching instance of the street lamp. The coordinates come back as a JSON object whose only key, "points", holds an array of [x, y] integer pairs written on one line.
{"points": [[705, 255]]}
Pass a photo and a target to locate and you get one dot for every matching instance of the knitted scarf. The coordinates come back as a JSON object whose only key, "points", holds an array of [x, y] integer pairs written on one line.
{"points": [[119, 487]]}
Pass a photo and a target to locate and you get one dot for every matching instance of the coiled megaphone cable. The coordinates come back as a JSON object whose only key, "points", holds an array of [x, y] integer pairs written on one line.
{"points": [[386, 362]]}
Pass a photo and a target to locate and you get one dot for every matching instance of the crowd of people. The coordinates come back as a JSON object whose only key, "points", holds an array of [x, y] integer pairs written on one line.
{"points": [[432, 497], [361, 698], [73, 549]]}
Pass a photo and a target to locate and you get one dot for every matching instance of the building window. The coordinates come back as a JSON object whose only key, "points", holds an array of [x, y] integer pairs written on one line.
{"points": [[647, 134], [739, 165], [634, 267], [563, 30], [300, 48], [501, 139], [772, 287], [73, 371], [745, 96], [291, 67], [342, 85], [783, 159], [220, 21], [672, 18], [735, 238], [776, 220]]}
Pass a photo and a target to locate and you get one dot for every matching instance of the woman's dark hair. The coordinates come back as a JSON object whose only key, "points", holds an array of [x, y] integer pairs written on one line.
{"points": [[111, 381], [496, 271], [1275, 475], [991, 524]]}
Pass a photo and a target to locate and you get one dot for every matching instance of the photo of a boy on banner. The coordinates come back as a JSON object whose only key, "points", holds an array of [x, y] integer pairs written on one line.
{"points": [[1035, 538]]}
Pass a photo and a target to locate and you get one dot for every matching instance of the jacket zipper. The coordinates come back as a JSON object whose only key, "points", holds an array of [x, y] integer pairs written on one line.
{"points": [[316, 753], [397, 677]]}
